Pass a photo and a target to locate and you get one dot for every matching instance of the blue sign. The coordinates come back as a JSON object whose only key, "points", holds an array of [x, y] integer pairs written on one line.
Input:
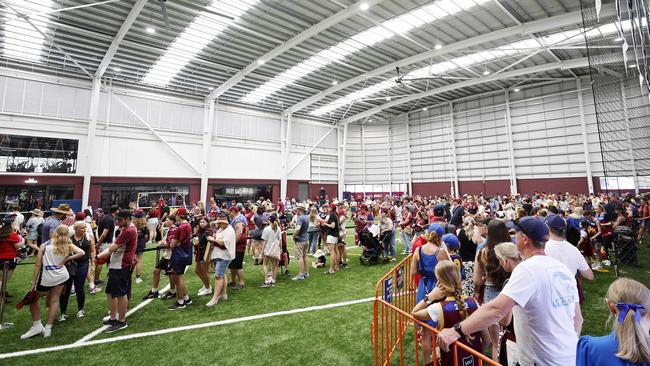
{"points": [[400, 278], [388, 289]]}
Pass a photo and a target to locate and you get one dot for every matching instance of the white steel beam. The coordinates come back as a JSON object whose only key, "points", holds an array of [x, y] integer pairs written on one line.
{"points": [[115, 44], [511, 150], [585, 140], [454, 161], [299, 38], [408, 155], [90, 141], [284, 171], [581, 62], [311, 149], [518, 30], [155, 133], [343, 147], [630, 146], [208, 128]]}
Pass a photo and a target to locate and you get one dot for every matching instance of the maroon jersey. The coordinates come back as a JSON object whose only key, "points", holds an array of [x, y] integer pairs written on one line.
{"points": [[452, 315]]}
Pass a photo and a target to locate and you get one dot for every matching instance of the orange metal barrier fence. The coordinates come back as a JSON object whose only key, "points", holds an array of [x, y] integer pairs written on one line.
{"points": [[394, 300]]}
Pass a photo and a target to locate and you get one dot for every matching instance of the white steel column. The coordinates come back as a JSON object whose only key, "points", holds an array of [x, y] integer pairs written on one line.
{"points": [[408, 155], [208, 127], [363, 163], [585, 141], [90, 141], [511, 154], [390, 158], [454, 160], [629, 139], [342, 152], [285, 158]]}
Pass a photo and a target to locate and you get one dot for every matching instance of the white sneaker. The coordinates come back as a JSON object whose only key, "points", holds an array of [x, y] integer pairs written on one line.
{"points": [[35, 330], [47, 331], [81, 314], [607, 262], [205, 291], [138, 280], [306, 274], [63, 317], [106, 318], [211, 303]]}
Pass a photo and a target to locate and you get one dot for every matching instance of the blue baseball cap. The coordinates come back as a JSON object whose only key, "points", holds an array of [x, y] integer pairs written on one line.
{"points": [[555, 222], [439, 210], [451, 241], [530, 226], [437, 228]]}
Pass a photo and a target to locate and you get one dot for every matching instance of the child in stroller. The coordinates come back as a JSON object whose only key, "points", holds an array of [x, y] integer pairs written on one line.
{"points": [[371, 243]]}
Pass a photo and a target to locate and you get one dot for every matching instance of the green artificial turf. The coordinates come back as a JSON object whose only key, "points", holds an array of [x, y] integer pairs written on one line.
{"points": [[338, 336]]}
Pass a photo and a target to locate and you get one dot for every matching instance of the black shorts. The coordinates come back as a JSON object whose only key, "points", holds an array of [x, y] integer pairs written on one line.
{"points": [[178, 269], [118, 282], [11, 264], [165, 265], [238, 262]]}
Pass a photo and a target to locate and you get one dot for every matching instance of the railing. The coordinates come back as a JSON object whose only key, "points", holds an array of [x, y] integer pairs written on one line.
{"points": [[394, 300]]}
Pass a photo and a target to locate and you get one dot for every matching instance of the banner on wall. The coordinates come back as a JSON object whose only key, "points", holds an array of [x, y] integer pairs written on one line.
{"points": [[43, 155]]}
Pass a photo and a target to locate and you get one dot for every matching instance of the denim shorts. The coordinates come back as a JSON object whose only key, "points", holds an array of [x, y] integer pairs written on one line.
{"points": [[220, 266]]}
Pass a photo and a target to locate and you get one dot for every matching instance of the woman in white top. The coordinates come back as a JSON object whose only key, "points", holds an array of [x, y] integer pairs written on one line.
{"points": [[272, 238], [32, 228], [50, 267], [222, 250]]}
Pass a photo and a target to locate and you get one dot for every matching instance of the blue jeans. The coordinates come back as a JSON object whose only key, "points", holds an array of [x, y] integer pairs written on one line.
{"points": [[407, 239], [314, 239], [389, 244], [79, 280]]}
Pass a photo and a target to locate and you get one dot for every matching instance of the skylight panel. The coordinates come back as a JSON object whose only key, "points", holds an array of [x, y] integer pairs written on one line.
{"points": [[387, 29], [21, 40], [470, 60], [198, 34]]}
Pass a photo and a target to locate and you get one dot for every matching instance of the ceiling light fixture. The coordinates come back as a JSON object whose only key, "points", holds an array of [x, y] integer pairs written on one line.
{"points": [[388, 99], [438, 46], [618, 39], [364, 6], [517, 90], [631, 66], [486, 72], [425, 109], [117, 69], [260, 62], [151, 30], [31, 181], [334, 82]]}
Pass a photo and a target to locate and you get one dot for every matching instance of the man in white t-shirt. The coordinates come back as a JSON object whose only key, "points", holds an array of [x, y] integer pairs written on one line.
{"points": [[557, 247], [542, 289]]}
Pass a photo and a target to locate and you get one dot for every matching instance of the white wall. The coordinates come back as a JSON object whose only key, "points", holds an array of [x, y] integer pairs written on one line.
{"points": [[246, 143]]}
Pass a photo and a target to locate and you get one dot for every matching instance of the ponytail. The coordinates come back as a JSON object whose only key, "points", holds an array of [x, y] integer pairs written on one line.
{"points": [[632, 302]]}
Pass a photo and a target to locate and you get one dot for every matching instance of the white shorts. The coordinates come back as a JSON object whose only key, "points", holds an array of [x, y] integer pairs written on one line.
{"points": [[332, 239]]}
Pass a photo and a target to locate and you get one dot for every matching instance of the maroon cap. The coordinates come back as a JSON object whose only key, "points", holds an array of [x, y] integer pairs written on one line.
{"points": [[233, 209], [181, 211], [80, 216], [333, 206]]}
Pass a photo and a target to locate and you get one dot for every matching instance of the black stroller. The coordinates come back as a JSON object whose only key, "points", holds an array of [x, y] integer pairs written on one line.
{"points": [[373, 250], [626, 244]]}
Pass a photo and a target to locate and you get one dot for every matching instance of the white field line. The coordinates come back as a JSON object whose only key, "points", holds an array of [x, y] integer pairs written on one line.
{"points": [[183, 328], [96, 332]]}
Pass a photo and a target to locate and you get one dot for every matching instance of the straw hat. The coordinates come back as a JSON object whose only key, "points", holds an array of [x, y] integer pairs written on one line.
{"points": [[36, 212], [63, 208], [301, 206], [221, 220]]}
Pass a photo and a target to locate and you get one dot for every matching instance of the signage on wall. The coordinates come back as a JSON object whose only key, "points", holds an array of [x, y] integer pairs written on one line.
{"points": [[43, 155]]}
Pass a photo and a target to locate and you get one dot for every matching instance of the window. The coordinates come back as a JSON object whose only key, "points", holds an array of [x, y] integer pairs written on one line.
{"points": [[149, 194], [29, 154], [240, 193], [31, 197]]}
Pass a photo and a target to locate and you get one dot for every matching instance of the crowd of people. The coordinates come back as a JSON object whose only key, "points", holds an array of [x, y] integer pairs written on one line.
{"points": [[500, 274]]}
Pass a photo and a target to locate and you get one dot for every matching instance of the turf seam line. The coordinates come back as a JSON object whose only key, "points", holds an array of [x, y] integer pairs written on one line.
{"points": [[97, 331], [182, 328]]}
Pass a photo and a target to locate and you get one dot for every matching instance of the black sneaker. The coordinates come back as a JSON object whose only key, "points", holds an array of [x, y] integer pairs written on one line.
{"points": [[176, 305], [110, 322], [188, 301], [118, 325], [151, 295], [168, 295], [344, 265], [99, 282]]}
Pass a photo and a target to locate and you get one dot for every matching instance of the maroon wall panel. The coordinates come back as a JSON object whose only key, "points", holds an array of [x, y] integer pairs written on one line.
{"points": [[44, 180], [490, 187], [331, 190], [553, 185], [431, 188]]}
